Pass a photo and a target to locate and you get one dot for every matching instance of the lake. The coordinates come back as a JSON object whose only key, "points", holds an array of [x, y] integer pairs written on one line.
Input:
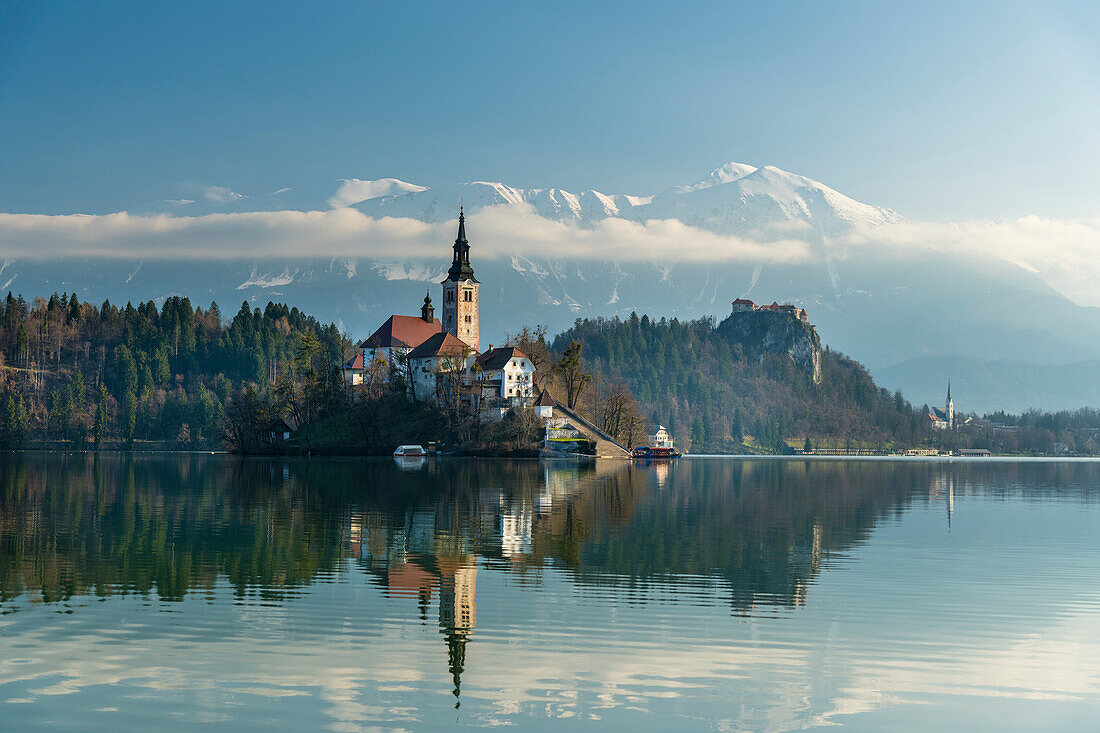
{"points": [[219, 593]]}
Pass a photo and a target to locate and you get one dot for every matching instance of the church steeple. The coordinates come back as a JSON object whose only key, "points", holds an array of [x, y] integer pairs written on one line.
{"points": [[460, 263], [427, 312], [950, 407], [460, 292]]}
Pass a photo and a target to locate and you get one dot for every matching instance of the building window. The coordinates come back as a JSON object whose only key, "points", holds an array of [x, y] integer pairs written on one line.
{"points": [[468, 319], [468, 296]]}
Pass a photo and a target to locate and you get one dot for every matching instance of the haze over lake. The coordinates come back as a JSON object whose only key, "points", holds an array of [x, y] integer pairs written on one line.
{"points": [[214, 592]]}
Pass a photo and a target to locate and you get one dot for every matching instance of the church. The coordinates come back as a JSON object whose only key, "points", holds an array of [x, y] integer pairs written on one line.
{"points": [[442, 359], [943, 419]]}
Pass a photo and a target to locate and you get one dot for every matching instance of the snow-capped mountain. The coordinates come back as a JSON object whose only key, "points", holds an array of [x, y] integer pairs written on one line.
{"points": [[735, 198], [894, 309]]}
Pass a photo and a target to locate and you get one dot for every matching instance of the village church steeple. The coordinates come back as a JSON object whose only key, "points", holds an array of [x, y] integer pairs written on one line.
{"points": [[460, 292]]}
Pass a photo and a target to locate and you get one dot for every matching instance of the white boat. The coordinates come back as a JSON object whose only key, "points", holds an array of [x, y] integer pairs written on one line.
{"points": [[409, 451]]}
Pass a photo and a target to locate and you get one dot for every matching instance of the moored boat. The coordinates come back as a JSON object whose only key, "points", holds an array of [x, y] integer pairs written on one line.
{"points": [[409, 451], [661, 446]]}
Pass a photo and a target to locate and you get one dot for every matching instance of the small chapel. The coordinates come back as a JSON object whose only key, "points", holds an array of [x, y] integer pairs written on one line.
{"points": [[442, 358]]}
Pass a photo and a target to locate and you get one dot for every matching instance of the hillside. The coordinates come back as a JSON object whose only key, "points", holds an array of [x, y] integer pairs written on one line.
{"points": [[146, 376], [753, 374]]}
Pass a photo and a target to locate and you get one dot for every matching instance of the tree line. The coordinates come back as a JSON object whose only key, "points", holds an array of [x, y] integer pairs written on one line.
{"points": [[133, 375]]}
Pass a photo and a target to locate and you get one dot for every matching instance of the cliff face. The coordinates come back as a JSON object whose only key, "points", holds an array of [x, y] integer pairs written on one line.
{"points": [[765, 332]]}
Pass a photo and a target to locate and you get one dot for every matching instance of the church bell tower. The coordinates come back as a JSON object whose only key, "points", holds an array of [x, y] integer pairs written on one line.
{"points": [[460, 292]]}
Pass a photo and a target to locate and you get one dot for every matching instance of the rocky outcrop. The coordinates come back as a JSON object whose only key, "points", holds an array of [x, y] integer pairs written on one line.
{"points": [[767, 332]]}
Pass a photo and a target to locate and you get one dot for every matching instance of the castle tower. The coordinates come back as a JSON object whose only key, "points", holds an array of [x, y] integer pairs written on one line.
{"points": [[460, 292], [950, 407]]}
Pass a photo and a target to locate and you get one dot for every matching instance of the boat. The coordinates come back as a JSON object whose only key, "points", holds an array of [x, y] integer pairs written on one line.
{"points": [[661, 447], [409, 451]]}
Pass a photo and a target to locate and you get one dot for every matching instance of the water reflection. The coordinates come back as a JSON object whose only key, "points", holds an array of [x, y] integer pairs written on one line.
{"points": [[750, 538]]}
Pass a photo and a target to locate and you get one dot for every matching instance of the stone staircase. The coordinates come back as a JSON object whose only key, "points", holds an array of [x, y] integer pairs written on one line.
{"points": [[606, 446]]}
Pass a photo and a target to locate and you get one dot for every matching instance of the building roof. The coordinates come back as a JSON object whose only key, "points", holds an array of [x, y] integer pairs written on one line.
{"points": [[545, 400], [406, 331], [938, 414], [355, 362], [498, 357], [441, 344], [743, 301]]}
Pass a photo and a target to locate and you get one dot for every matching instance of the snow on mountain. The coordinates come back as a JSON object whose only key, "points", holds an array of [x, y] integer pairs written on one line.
{"points": [[354, 191], [735, 199]]}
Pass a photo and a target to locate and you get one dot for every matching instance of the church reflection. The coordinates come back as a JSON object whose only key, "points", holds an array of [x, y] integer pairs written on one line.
{"points": [[751, 535]]}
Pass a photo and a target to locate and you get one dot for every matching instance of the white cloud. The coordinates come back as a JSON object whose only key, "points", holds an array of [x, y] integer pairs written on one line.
{"points": [[222, 195], [497, 231], [1064, 253]]}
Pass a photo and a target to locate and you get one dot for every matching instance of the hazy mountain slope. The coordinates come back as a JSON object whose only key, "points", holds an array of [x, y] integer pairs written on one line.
{"points": [[986, 385]]}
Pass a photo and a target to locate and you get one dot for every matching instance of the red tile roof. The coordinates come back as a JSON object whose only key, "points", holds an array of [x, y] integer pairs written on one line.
{"points": [[498, 357], [441, 344], [406, 331], [743, 301], [355, 362]]}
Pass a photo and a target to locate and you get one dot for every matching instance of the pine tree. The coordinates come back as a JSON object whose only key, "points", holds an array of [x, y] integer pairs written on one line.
{"points": [[100, 429]]}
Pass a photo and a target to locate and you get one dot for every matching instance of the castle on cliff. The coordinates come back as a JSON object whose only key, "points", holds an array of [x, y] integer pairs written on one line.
{"points": [[743, 305]]}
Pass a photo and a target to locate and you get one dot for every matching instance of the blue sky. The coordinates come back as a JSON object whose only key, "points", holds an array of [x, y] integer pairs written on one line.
{"points": [[943, 111]]}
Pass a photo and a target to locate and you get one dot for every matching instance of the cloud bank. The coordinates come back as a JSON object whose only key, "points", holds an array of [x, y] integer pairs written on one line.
{"points": [[1065, 254], [497, 230]]}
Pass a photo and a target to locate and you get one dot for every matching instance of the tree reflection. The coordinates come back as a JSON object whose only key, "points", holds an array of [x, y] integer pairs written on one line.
{"points": [[171, 525]]}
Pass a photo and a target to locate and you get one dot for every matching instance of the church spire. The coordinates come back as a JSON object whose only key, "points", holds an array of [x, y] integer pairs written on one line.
{"points": [[460, 263]]}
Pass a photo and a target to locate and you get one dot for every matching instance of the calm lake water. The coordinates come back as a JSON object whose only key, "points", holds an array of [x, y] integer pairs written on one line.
{"points": [[217, 593]]}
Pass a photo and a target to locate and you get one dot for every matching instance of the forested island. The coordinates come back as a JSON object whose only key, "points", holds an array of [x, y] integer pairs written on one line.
{"points": [[176, 376]]}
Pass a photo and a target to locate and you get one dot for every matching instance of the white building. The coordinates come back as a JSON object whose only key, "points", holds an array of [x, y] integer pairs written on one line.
{"points": [[506, 373], [440, 367], [544, 405], [661, 438]]}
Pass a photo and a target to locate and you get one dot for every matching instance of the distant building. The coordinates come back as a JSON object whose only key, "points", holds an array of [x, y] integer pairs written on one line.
{"points": [[744, 305], [661, 438], [281, 430], [943, 419]]}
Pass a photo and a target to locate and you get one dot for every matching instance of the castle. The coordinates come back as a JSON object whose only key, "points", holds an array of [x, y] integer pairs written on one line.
{"points": [[442, 360], [742, 305]]}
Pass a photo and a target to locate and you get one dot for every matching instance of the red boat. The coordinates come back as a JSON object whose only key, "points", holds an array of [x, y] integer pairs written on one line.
{"points": [[661, 447]]}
